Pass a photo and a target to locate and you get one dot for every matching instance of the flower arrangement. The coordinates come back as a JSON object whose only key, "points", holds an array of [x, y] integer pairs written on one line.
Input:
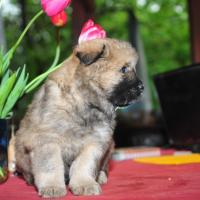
{"points": [[14, 84]]}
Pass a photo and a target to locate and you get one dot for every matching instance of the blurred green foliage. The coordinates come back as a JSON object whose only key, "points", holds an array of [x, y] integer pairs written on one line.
{"points": [[163, 27], [37, 49]]}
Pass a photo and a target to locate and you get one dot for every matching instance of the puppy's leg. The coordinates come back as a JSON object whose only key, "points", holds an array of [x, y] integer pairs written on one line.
{"points": [[103, 173], [28, 177], [48, 170], [102, 178], [84, 170]]}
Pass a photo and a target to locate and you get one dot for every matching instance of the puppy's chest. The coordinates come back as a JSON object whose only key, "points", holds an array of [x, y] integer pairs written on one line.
{"points": [[96, 115], [74, 141]]}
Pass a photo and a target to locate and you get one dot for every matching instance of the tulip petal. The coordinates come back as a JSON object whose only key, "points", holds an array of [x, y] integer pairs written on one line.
{"points": [[87, 25], [91, 31], [53, 7]]}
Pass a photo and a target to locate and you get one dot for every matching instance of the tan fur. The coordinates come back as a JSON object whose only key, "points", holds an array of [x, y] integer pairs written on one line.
{"points": [[68, 127]]}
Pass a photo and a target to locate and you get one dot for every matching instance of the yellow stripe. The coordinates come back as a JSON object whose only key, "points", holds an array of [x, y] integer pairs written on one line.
{"points": [[171, 160]]}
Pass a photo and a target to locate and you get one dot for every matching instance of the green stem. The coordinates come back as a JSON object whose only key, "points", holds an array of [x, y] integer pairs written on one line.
{"points": [[36, 81], [9, 54], [26, 29], [57, 56]]}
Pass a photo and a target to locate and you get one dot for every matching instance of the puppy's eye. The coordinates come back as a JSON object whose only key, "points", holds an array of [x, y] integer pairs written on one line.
{"points": [[124, 69]]}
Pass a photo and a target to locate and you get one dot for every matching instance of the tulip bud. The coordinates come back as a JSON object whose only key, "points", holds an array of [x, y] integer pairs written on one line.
{"points": [[91, 31], [60, 19]]}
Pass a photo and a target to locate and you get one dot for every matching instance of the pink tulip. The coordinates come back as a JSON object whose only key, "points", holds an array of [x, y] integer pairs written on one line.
{"points": [[91, 31], [53, 7], [60, 19]]}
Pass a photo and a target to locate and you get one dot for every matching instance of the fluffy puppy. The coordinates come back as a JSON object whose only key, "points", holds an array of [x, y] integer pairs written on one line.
{"points": [[67, 130]]}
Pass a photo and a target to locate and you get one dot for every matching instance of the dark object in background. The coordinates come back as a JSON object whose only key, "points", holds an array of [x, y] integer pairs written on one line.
{"points": [[4, 140], [179, 94], [131, 131]]}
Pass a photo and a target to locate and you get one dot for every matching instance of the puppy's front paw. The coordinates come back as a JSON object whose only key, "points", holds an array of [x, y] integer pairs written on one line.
{"points": [[102, 179], [52, 192], [87, 187]]}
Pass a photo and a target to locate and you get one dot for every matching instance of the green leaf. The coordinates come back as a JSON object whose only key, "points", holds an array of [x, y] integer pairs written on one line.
{"points": [[1, 172], [6, 60], [1, 62], [16, 93], [25, 83], [6, 89], [5, 78]]}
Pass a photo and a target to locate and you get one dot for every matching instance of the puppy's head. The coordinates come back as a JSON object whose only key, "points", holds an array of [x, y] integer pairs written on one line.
{"points": [[110, 64]]}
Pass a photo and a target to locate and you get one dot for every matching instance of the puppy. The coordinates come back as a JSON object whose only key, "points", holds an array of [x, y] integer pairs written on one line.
{"points": [[67, 130]]}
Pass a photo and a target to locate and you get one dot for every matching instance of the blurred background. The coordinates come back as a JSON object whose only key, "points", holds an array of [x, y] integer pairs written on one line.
{"points": [[166, 35]]}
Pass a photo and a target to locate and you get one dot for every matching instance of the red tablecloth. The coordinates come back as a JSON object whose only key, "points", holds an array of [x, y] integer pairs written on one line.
{"points": [[128, 180]]}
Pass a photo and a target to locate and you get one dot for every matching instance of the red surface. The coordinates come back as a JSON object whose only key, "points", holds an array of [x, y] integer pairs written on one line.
{"points": [[128, 180]]}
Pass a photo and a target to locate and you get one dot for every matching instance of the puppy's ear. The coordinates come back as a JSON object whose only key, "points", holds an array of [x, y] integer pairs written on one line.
{"points": [[90, 55]]}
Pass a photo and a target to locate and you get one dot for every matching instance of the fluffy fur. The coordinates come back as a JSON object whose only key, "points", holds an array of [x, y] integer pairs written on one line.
{"points": [[67, 130]]}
